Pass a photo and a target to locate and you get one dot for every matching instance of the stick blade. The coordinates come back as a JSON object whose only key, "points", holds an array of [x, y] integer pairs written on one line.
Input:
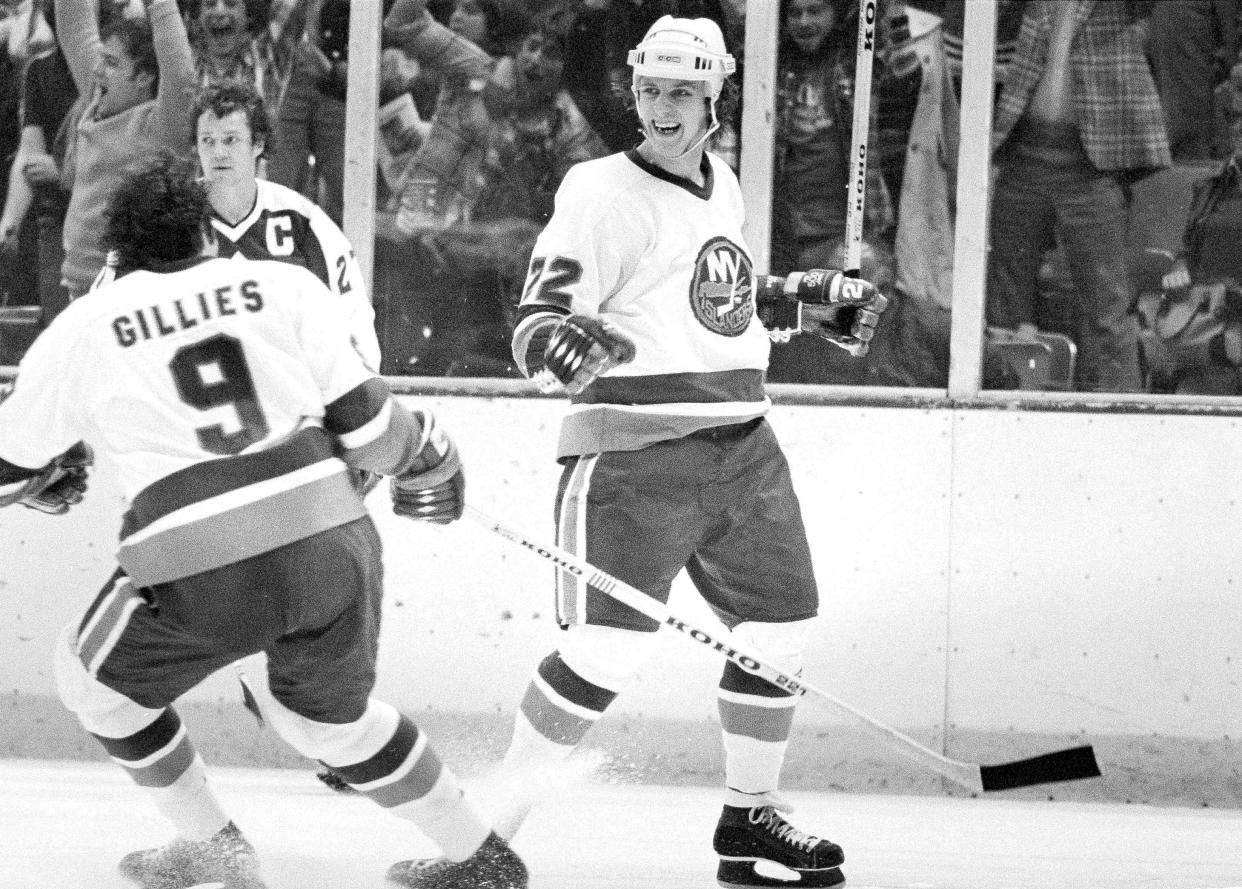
{"points": [[1073, 764]]}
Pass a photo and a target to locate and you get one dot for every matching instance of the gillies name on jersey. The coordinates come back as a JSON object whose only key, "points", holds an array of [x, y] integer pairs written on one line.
{"points": [[185, 313]]}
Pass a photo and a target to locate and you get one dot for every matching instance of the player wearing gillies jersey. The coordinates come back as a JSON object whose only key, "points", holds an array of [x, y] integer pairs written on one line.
{"points": [[234, 405], [641, 301]]}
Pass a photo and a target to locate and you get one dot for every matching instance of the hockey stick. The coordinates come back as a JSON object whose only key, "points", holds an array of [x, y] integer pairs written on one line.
{"points": [[1062, 765], [856, 195]]}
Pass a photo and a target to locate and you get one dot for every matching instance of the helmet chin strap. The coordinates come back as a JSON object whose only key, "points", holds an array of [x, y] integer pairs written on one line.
{"points": [[715, 125]]}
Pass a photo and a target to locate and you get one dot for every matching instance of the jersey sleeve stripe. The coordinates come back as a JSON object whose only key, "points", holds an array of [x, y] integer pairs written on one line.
{"points": [[369, 431], [530, 338], [357, 407], [391, 448]]}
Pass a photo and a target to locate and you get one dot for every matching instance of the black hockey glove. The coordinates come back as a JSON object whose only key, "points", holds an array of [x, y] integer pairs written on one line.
{"points": [[581, 349], [433, 488], [59, 485], [850, 327], [826, 302]]}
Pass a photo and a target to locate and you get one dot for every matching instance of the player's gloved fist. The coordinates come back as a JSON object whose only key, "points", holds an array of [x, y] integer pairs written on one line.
{"points": [[433, 488], [59, 485], [582, 348], [851, 327]]}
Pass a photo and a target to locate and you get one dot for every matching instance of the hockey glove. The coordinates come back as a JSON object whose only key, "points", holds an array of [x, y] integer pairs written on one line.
{"points": [[824, 302], [433, 488], [850, 327], [59, 485], [838, 308], [581, 349]]}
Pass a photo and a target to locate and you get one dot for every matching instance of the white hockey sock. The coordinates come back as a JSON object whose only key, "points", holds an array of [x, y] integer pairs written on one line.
{"points": [[528, 747], [190, 804], [445, 816], [752, 766], [533, 767]]}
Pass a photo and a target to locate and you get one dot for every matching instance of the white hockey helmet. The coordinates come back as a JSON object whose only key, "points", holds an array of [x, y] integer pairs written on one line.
{"points": [[684, 49]]}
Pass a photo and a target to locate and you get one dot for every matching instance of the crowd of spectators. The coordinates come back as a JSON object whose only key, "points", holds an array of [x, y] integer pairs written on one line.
{"points": [[1100, 105]]}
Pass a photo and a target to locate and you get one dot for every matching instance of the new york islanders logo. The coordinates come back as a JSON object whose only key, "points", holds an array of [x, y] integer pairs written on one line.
{"points": [[720, 295]]}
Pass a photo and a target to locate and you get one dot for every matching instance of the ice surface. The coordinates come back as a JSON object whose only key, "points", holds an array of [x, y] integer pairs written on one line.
{"points": [[64, 825]]}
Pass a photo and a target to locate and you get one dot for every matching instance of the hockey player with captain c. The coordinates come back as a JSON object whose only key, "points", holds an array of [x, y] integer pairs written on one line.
{"points": [[641, 301]]}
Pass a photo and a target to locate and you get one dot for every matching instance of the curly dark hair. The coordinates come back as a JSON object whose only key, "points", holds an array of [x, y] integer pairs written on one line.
{"points": [[227, 96], [135, 35], [159, 214]]}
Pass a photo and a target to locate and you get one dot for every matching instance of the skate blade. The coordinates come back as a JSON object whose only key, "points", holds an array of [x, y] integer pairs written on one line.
{"points": [[762, 874]]}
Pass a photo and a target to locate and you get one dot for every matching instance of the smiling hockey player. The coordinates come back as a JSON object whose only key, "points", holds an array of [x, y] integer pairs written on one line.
{"points": [[642, 302]]}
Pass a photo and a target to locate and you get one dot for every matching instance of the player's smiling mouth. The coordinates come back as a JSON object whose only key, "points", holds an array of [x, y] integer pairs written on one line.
{"points": [[666, 129]]}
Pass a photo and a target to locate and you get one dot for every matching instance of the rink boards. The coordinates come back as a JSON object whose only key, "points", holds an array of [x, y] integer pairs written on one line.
{"points": [[994, 582]]}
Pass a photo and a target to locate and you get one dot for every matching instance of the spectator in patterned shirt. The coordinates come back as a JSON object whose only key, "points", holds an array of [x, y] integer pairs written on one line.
{"points": [[1077, 122]]}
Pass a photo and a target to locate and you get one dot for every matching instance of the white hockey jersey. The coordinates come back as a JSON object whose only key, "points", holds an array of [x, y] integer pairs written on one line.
{"points": [[666, 263], [207, 386]]}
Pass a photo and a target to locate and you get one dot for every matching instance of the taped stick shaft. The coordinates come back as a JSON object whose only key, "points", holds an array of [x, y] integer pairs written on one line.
{"points": [[965, 774], [857, 192]]}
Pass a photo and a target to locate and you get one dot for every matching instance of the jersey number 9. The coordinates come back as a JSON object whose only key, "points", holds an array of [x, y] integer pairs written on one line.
{"points": [[213, 373]]}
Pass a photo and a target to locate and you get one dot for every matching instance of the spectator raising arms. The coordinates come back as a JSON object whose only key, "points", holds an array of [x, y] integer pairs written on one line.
{"points": [[139, 77], [250, 40], [475, 193]]}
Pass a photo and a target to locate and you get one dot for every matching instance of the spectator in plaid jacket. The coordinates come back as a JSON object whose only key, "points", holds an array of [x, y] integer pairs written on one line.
{"points": [[1077, 121]]}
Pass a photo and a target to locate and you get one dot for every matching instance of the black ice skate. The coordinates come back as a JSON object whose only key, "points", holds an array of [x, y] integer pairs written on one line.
{"points": [[493, 866], [746, 836], [226, 860]]}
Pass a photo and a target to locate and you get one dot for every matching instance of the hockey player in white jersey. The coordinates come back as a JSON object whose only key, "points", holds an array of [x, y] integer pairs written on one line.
{"points": [[641, 301], [233, 405]]}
